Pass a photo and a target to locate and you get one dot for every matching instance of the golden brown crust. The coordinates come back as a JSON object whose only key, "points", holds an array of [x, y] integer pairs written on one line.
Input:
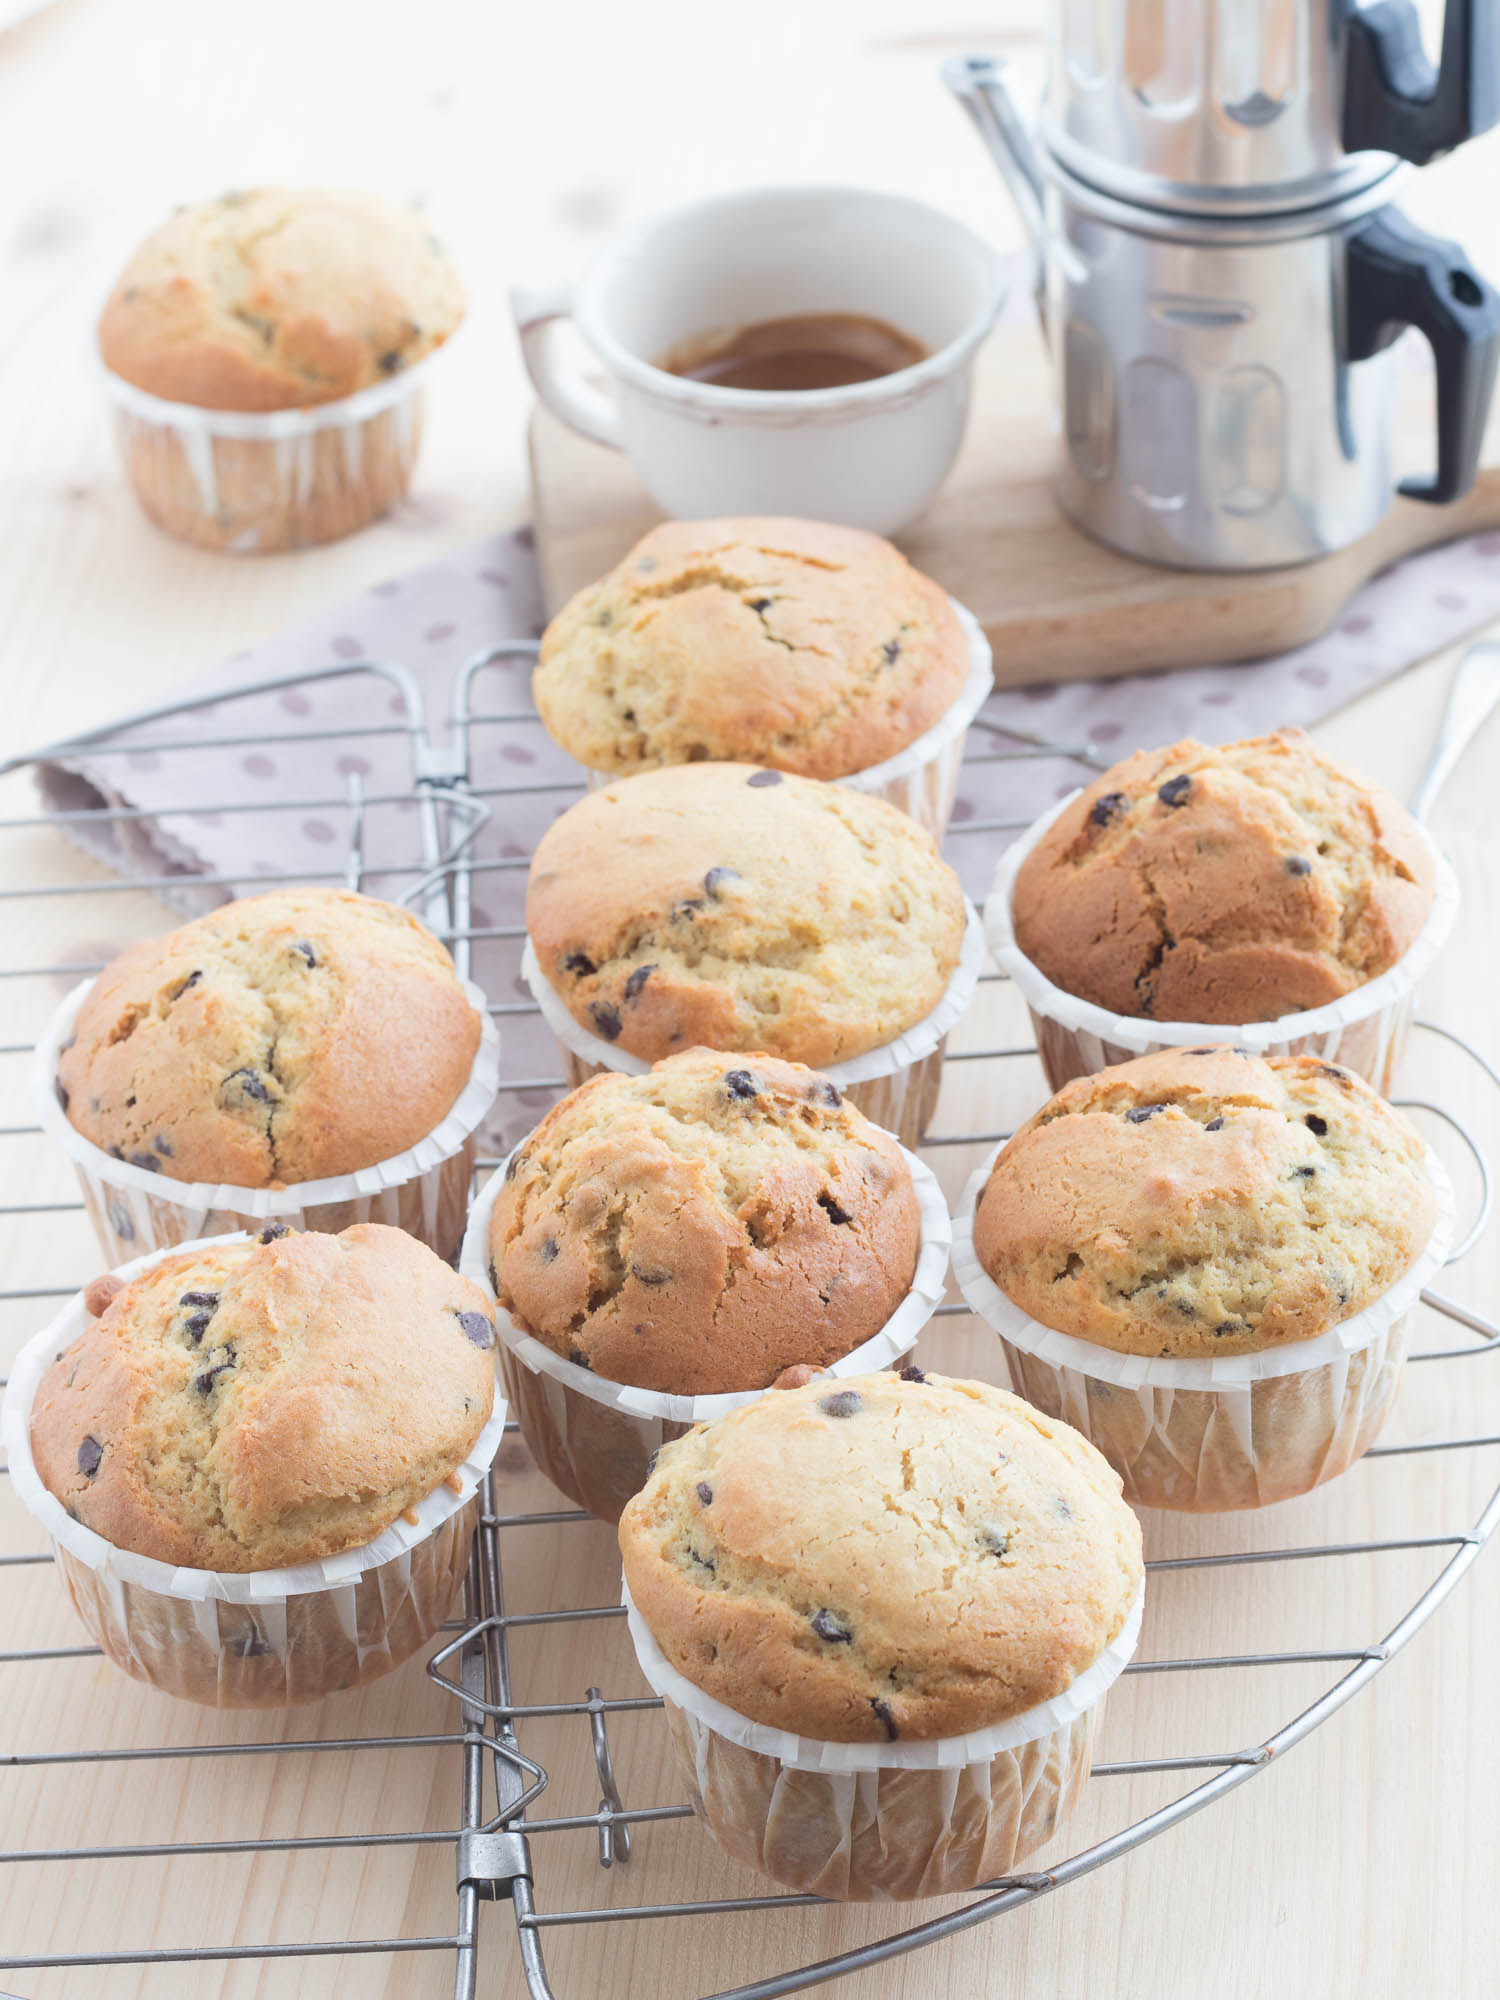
{"points": [[277, 1040], [1224, 886], [736, 908], [263, 1403], [279, 298], [700, 1228], [796, 644], [1205, 1202], [878, 1557]]}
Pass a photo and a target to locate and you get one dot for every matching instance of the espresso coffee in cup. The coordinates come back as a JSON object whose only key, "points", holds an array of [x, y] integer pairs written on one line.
{"points": [[795, 351]]}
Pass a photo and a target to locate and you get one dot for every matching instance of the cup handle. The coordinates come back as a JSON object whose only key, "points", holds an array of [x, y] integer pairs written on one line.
{"points": [[566, 393]]}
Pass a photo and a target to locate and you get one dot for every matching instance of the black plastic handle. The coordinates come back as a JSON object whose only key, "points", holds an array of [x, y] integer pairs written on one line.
{"points": [[1396, 102], [1399, 276]]}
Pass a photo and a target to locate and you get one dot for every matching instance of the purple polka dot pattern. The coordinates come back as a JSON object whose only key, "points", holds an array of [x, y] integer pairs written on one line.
{"points": [[1357, 626], [258, 765], [517, 753], [962, 809], [435, 634], [345, 648], [143, 760], [1314, 676], [1451, 600], [320, 831], [295, 702], [1106, 732], [390, 588], [350, 766]]}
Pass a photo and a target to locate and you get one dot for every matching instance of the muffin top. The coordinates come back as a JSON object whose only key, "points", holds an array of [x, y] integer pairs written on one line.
{"points": [[882, 1557], [1227, 885], [742, 909], [282, 1039], [277, 298], [245, 1405], [794, 644], [704, 1226], [1201, 1202]]}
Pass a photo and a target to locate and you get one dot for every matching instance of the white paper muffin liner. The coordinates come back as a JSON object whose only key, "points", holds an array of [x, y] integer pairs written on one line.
{"points": [[883, 1820], [246, 481], [423, 1190], [1206, 1434], [255, 1638], [922, 779], [595, 1438], [1366, 1030], [896, 1085]]}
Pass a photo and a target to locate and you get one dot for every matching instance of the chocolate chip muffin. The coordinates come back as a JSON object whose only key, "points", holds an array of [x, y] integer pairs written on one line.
{"points": [[885, 1557], [241, 1406], [1205, 1202], [283, 1039], [700, 1228], [794, 644], [1224, 886], [279, 298], [744, 909]]}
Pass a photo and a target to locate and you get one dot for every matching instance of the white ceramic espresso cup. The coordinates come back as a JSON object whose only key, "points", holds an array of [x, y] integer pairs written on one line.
{"points": [[869, 454]]}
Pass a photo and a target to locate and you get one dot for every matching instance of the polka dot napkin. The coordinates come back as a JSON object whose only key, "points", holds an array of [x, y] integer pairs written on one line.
{"points": [[252, 790]]}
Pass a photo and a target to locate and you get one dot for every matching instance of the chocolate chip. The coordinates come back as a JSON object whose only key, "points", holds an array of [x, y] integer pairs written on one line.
{"points": [[163, 1146], [195, 1326], [273, 1231], [1316, 1125], [513, 1165], [847, 1403], [1139, 1113], [120, 1222], [832, 1629], [1061, 1508], [606, 1019], [740, 1083], [304, 950], [1297, 864], [715, 879], [993, 1541], [687, 909], [912, 1374], [832, 1210], [204, 1383], [703, 1562], [1214, 1125], [116, 1153], [477, 1327], [580, 1360], [1340, 1075], [148, 1161], [390, 361], [759, 778], [1106, 810], [547, 1253], [187, 985], [580, 964], [650, 1274], [635, 984], [1175, 791], [1232, 1326], [209, 1299], [826, 1093], [1304, 1173], [494, 1276], [651, 1461], [90, 1455], [758, 604], [1213, 1051], [705, 1493], [885, 1717], [247, 1083], [890, 652], [61, 1090]]}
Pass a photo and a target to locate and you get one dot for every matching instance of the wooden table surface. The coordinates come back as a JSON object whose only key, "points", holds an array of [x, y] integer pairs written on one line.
{"points": [[1360, 1864]]}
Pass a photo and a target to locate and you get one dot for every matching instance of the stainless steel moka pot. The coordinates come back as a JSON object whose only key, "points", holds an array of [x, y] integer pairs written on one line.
{"points": [[1221, 274]]}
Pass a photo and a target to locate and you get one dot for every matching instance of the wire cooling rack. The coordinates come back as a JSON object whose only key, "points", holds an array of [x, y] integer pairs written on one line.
{"points": [[545, 1745]]}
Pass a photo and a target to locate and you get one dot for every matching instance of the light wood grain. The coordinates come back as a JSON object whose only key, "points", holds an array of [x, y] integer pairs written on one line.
{"points": [[1362, 1864], [1054, 604]]}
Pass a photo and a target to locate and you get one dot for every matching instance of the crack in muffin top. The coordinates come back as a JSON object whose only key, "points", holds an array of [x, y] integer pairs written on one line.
{"points": [[246, 1405], [1205, 1202], [276, 1040], [277, 298], [796, 644], [739, 908], [703, 1227], [882, 1557], [1223, 886]]}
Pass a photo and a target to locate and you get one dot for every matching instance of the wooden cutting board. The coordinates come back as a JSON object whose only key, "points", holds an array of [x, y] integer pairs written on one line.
{"points": [[1056, 605]]}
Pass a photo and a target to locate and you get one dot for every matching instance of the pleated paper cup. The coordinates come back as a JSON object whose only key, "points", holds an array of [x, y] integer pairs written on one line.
{"points": [[922, 779], [594, 1438], [249, 481], [896, 1085], [868, 1821], [1209, 1436], [1365, 1031], [265, 1638], [423, 1190]]}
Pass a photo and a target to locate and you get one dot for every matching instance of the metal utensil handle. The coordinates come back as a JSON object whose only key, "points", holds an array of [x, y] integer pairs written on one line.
{"points": [[1472, 696], [1395, 101], [983, 89]]}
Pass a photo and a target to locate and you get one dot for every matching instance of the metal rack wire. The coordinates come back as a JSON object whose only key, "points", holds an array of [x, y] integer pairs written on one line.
{"points": [[443, 833]]}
